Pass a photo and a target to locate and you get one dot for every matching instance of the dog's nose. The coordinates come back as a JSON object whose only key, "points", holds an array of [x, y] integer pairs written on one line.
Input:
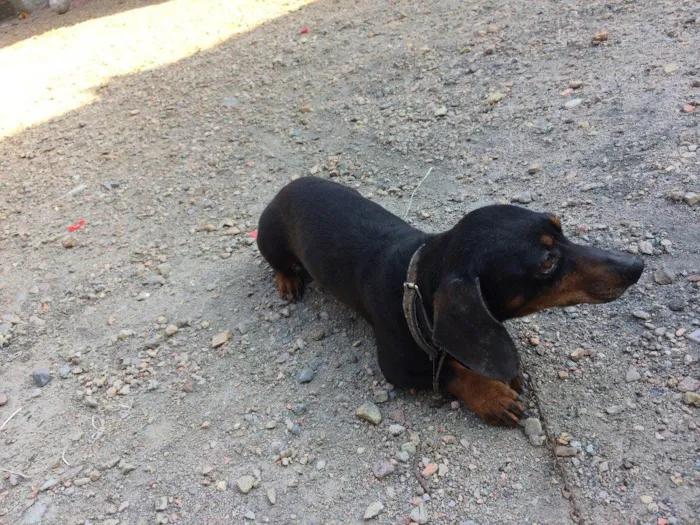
{"points": [[629, 266]]}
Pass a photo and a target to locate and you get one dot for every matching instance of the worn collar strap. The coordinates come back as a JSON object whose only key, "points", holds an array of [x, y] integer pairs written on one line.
{"points": [[417, 319]]}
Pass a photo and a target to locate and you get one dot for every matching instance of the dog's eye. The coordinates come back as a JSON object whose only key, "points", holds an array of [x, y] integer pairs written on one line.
{"points": [[547, 264]]}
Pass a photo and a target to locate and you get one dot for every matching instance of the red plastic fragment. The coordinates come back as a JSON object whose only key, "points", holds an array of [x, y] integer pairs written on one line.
{"points": [[75, 227]]}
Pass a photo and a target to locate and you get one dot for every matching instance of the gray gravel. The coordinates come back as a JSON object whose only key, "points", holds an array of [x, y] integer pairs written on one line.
{"points": [[175, 363]]}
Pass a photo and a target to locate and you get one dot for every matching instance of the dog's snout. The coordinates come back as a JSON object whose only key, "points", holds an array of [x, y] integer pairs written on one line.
{"points": [[629, 266]]}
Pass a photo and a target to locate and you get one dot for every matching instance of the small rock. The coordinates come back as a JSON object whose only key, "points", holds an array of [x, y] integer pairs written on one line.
{"points": [[646, 499], [320, 464], [692, 398], [161, 503], [601, 36], [272, 496], [164, 269], [563, 374], [646, 248], [494, 98], [535, 167], [245, 484], [565, 452], [69, 242], [641, 314], [64, 371], [523, 198], [603, 466], [221, 485], [396, 430], [419, 514], [250, 515], [381, 396], [171, 330], [126, 467], [574, 102], [3, 400], [221, 338], [41, 377], [49, 484], [688, 384], [403, 456], [441, 111], [691, 199], [373, 510], [306, 375], [664, 276], [382, 469], [615, 409], [694, 336], [632, 375], [369, 412], [429, 470], [533, 427]]}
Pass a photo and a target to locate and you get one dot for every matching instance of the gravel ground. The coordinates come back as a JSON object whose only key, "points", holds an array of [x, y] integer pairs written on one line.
{"points": [[182, 390]]}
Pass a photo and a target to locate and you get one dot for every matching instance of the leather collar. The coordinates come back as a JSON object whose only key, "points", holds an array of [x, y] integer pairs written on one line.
{"points": [[417, 318]]}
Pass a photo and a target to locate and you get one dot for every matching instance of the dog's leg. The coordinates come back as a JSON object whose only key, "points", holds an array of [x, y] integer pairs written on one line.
{"points": [[290, 285], [493, 401], [273, 245]]}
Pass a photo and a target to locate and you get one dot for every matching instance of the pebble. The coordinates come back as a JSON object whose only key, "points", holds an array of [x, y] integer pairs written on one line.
{"points": [[691, 198], [245, 484], [396, 430], [373, 510], [664, 276], [691, 398], [419, 514], [171, 330], [41, 377], [161, 503], [694, 336], [601, 36], [533, 427], [64, 371], [410, 447], [250, 515], [574, 102], [523, 198], [126, 467], [306, 375], [494, 98], [603, 466], [221, 485], [641, 314], [320, 464], [369, 412], [688, 384], [646, 248], [382, 469], [429, 470], [632, 375], [221, 338], [3, 400], [646, 499], [403, 456], [381, 396], [441, 111], [272, 496], [615, 409], [565, 452]]}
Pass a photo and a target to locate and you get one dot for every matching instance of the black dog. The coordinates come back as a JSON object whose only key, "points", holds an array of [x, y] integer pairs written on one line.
{"points": [[437, 299]]}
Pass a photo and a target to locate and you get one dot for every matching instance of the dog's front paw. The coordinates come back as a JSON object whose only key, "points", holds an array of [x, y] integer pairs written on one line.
{"points": [[289, 287], [500, 405]]}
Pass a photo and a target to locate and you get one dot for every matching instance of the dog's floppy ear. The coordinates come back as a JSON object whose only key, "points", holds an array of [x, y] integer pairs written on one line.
{"points": [[465, 328]]}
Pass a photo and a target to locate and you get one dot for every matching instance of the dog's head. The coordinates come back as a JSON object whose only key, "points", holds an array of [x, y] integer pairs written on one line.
{"points": [[505, 261]]}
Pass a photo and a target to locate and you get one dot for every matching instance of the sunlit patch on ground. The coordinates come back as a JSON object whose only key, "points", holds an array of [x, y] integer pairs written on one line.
{"points": [[48, 75]]}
